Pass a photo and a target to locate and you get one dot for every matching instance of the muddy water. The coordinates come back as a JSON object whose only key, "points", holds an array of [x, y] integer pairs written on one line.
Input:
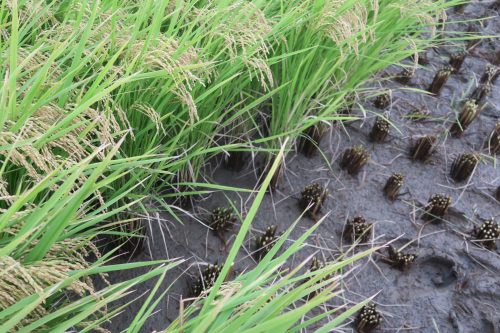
{"points": [[454, 285]]}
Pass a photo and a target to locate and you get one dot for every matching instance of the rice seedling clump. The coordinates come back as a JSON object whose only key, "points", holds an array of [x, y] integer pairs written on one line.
{"points": [[440, 80], [380, 130], [357, 229], [206, 280], [368, 319], [222, 219], [466, 117], [423, 148], [393, 185], [463, 166], [405, 76], [457, 59], [383, 101], [487, 234], [312, 198], [265, 242], [399, 260], [437, 207], [353, 159]]}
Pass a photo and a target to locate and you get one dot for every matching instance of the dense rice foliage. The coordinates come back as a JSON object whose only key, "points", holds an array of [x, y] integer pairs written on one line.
{"points": [[107, 106]]}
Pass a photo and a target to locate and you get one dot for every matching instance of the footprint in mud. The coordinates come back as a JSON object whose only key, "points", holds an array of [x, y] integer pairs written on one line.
{"points": [[439, 270]]}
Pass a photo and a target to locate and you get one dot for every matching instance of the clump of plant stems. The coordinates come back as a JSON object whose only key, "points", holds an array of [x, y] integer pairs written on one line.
{"points": [[481, 92], [380, 130], [368, 319], [312, 199], [493, 142], [423, 148], [357, 229], [206, 280], [437, 207], [354, 158], [393, 185], [405, 76], [440, 80], [317, 264], [490, 75], [383, 101], [463, 166], [400, 260], [265, 242], [221, 221], [487, 234], [422, 58], [457, 60], [466, 117], [311, 139]]}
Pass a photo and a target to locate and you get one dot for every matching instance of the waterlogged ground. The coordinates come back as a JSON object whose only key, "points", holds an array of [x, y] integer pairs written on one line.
{"points": [[453, 286]]}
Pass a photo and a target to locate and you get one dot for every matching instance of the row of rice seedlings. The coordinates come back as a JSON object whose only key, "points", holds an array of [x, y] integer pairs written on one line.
{"points": [[263, 285]]}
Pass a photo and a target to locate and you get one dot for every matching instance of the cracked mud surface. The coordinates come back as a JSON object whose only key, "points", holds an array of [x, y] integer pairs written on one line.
{"points": [[454, 285]]}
